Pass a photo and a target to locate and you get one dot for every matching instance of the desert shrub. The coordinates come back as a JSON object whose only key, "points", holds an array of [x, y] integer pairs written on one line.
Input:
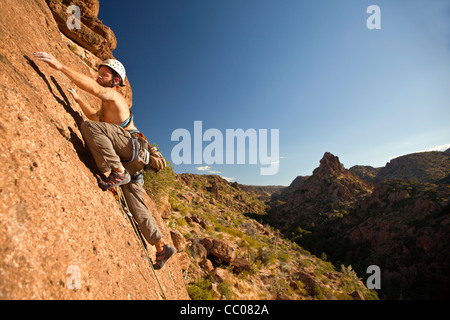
{"points": [[200, 290], [225, 289], [156, 184], [284, 256], [317, 293], [266, 256]]}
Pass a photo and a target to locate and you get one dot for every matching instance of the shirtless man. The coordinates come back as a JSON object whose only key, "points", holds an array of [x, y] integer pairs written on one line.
{"points": [[108, 134]]}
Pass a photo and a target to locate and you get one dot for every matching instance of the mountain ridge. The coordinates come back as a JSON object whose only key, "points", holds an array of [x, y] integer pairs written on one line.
{"points": [[428, 166]]}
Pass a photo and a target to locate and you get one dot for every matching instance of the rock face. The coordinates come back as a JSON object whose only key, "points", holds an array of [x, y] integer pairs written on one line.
{"points": [[53, 215], [92, 34]]}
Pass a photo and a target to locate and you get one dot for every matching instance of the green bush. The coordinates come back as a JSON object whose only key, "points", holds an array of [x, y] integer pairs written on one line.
{"points": [[266, 256], [225, 289], [284, 256], [317, 293], [156, 184], [197, 293], [200, 290]]}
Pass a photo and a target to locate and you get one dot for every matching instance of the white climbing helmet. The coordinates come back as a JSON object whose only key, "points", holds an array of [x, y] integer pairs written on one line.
{"points": [[117, 66]]}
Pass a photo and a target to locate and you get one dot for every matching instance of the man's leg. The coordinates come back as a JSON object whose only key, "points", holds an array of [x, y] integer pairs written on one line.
{"points": [[108, 144], [134, 194]]}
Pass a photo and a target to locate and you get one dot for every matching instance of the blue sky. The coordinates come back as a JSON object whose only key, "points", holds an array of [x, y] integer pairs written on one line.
{"points": [[310, 69]]}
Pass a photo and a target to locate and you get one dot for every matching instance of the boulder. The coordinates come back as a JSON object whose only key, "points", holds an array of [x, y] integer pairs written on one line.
{"points": [[197, 250], [183, 260], [220, 275], [357, 295], [178, 240], [240, 264], [221, 249], [206, 265]]}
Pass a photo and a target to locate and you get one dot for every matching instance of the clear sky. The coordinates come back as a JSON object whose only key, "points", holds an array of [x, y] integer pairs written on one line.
{"points": [[311, 69]]}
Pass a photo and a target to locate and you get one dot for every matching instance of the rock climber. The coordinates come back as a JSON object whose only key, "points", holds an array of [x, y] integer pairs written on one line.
{"points": [[108, 135]]}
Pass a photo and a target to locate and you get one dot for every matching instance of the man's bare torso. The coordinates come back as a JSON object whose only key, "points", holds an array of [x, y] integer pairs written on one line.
{"points": [[116, 111]]}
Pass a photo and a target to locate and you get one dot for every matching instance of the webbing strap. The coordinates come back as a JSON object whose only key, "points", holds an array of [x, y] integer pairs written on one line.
{"points": [[127, 122], [118, 194], [139, 177], [135, 142]]}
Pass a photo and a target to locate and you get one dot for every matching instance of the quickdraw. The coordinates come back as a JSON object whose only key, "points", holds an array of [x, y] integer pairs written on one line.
{"points": [[118, 194]]}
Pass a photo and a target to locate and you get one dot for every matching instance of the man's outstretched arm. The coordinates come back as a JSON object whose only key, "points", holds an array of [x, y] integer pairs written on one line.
{"points": [[81, 81]]}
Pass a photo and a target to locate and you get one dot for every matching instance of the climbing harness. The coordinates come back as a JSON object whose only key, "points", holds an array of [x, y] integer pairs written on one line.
{"points": [[145, 156], [118, 194]]}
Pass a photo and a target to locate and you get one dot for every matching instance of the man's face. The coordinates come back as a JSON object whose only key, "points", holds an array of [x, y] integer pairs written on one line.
{"points": [[105, 77]]}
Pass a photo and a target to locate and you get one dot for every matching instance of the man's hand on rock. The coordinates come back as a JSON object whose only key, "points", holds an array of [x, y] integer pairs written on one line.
{"points": [[74, 94], [50, 59]]}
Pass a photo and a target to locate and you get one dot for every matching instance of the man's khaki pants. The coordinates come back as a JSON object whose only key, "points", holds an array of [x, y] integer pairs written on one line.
{"points": [[109, 145]]}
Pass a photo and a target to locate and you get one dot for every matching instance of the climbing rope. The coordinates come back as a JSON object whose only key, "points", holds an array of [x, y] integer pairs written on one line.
{"points": [[118, 194]]}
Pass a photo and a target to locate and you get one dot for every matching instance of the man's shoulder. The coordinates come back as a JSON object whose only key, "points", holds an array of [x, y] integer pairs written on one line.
{"points": [[110, 94]]}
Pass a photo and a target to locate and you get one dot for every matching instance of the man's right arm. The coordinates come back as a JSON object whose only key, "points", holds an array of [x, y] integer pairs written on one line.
{"points": [[87, 84], [81, 81]]}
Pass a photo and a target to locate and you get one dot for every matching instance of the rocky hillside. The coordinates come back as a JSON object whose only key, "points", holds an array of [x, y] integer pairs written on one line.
{"points": [[432, 167], [227, 252], [53, 214], [401, 224], [404, 228]]}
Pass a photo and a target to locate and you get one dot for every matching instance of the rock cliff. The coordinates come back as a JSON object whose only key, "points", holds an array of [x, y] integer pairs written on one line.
{"points": [[53, 215]]}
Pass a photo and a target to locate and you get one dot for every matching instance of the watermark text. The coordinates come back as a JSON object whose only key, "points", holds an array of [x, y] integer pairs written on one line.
{"points": [[74, 20], [235, 153]]}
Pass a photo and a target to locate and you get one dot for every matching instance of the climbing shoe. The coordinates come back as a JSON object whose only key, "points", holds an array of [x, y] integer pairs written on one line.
{"points": [[163, 256], [115, 179]]}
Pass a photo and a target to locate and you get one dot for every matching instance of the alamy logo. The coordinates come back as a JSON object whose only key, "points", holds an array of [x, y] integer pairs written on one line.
{"points": [[374, 281], [74, 20], [74, 279], [374, 21], [213, 153]]}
